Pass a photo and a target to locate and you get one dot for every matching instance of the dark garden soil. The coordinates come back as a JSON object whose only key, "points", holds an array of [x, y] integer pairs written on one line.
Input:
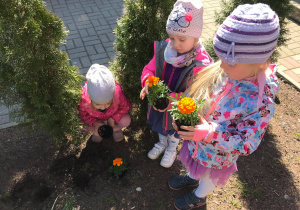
{"points": [[36, 174]]}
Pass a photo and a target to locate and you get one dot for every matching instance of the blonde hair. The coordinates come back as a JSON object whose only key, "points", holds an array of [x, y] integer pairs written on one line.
{"points": [[204, 84]]}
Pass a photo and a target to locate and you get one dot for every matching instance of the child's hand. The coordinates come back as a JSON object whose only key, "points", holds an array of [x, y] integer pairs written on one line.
{"points": [[160, 110], [187, 135], [96, 127], [144, 92], [111, 122], [174, 125]]}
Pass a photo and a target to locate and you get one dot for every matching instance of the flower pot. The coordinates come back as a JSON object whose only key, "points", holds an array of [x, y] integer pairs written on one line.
{"points": [[161, 103], [179, 124], [105, 131]]}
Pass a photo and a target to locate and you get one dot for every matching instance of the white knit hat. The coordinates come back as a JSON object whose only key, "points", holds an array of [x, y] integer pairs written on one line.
{"points": [[248, 35], [100, 83], [186, 19]]}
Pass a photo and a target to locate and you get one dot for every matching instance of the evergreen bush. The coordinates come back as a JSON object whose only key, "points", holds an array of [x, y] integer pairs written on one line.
{"points": [[34, 73], [143, 23], [283, 8]]}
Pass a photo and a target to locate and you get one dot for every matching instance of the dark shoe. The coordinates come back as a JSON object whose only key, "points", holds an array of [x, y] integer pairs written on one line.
{"points": [[189, 201], [179, 182]]}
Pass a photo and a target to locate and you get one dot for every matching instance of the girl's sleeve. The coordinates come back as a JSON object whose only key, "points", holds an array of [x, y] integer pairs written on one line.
{"points": [[244, 140], [149, 69], [123, 107], [84, 114], [83, 108]]}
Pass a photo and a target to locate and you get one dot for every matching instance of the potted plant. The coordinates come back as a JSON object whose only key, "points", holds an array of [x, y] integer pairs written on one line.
{"points": [[118, 168], [105, 131], [185, 110], [158, 93]]}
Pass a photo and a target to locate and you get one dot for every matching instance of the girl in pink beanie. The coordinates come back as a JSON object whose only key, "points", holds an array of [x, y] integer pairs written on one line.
{"points": [[104, 103]]}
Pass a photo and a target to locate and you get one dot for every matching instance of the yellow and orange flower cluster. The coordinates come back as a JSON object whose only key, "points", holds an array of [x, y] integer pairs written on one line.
{"points": [[118, 161], [152, 81], [186, 105]]}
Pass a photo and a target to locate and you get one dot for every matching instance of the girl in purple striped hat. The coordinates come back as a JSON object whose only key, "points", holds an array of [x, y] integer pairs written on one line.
{"points": [[239, 92]]}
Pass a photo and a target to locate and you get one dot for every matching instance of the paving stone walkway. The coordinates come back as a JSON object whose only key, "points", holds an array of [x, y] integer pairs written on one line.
{"points": [[90, 40]]}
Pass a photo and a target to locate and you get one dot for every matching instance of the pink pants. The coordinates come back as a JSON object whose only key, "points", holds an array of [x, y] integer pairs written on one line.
{"points": [[122, 123], [117, 134]]}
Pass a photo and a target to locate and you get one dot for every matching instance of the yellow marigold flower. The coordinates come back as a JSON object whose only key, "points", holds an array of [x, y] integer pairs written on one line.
{"points": [[186, 105], [117, 161], [152, 81]]}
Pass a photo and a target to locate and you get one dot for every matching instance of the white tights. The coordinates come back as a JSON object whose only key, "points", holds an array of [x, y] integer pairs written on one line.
{"points": [[205, 187]]}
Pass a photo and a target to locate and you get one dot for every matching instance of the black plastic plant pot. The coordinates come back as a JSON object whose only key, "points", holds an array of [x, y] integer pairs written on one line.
{"points": [[105, 131], [161, 103], [179, 124]]}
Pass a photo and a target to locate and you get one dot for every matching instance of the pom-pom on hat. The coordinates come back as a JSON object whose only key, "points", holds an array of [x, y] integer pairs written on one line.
{"points": [[100, 83], [186, 19], [248, 35]]}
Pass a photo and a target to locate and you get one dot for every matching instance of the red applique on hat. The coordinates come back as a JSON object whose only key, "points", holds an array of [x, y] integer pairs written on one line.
{"points": [[188, 17]]}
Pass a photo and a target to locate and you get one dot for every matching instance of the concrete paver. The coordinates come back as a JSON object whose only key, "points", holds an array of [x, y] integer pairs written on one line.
{"points": [[90, 40]]}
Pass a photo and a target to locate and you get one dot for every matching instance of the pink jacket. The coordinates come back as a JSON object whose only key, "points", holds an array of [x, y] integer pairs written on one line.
{"points": [[150, 68], [120, 107]]}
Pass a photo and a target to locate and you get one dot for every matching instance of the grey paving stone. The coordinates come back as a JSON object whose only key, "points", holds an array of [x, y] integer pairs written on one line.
{"points": [[85, 61], [91, 50], [87, 43], [78, 42], [70, 44], [83, 71], [83, 33], [71, 27], [99, 48], [71, 6], [91, 31], [84, 26], [88, 9], [76, 62], [90, 38], [63, 47], [95, 23], [104, 31], [103, 61], [98, 56], [76, 50], [77, 55], [73, 36], [111, 55], [103, 38]]}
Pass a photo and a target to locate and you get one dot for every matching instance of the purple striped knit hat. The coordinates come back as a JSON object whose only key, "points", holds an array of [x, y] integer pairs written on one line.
{"points": [[248, 35]]}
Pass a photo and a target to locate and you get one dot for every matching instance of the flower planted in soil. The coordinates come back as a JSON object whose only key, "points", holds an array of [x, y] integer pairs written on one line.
{"points": [[158, 93], [185, 110], [118, 168]]}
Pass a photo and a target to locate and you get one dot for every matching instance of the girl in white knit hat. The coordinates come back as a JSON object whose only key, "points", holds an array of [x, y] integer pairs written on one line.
{"points": [[239, 92], [104, 103], [175, 61]]}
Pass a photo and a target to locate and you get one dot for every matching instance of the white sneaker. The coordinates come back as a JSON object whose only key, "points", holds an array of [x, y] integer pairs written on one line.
{"points": [[156, 151], [168, 159]]}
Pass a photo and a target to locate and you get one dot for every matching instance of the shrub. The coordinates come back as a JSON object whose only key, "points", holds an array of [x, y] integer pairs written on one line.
{"points": [[34, 73], [283, 9], [143, 23]]}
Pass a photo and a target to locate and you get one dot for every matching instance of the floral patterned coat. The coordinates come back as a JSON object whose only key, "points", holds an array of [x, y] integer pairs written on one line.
{"points": [[120, 107], [236, 121]]}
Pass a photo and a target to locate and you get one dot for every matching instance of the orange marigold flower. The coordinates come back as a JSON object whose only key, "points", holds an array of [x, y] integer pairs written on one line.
{"points": [[117, 161], [152, 81], [186, 105]]}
